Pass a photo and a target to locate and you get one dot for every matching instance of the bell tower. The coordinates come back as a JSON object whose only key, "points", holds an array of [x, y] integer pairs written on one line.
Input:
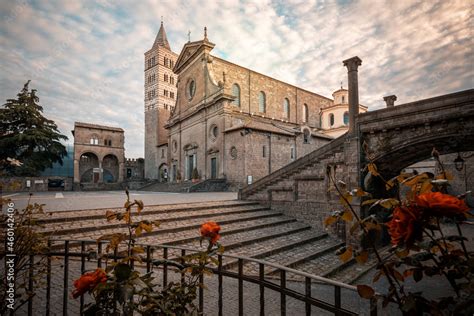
{"points": [[159, 98]]}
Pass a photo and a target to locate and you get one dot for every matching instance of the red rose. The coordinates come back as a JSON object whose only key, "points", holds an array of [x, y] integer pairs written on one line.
{"points": [[211, 231], [88, 281], [405, 226], [439, 204]]}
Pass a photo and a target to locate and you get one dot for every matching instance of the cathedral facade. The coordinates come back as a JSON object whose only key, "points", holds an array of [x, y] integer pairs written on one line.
{"points": [[230, 122]]}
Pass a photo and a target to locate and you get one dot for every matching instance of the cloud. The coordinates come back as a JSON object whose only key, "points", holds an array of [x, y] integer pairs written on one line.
{"points": [[86, 58]]}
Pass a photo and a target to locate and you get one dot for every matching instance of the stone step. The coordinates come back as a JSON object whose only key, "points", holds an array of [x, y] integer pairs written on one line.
{"points": [[269, 248], [352, 272], [66, 216], [228, 232], [178, 226], [322, 265], [163, 216]]}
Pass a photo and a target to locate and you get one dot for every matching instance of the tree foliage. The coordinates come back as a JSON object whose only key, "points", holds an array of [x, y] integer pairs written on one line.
{"points": [[27, 136]]}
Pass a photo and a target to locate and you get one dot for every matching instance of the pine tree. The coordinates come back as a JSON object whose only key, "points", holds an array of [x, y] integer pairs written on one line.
{"points": [[27, 136]]}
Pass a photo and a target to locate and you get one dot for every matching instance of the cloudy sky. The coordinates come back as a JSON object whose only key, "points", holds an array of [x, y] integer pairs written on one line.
{"points": [[86, 57]]}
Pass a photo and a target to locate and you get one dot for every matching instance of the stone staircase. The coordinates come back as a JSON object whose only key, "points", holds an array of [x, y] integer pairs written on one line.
{"points": [[167, 187], [309, 168], [248, 229]]}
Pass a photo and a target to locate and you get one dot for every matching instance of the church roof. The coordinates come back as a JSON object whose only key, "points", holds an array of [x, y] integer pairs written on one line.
{"points": [[161, 39]]}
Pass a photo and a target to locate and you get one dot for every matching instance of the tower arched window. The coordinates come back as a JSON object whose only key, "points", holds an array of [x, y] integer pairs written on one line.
{"points": [[346, 118], [262, 102], [236, 94], [286, 108], [305, 113], [331, 119], [342, 99]]}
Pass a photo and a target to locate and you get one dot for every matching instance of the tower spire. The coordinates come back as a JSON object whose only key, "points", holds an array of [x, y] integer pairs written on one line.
{"points": [[161, 39]]}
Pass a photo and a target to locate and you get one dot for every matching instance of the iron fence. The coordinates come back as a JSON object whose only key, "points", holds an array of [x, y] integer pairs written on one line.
{"points": [[79, 253]]}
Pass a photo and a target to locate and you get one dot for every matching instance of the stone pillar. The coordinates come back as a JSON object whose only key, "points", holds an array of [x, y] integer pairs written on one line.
{"points": [[77, 176], [390, 100], [121, 172], [353, 85], [101, 172]]}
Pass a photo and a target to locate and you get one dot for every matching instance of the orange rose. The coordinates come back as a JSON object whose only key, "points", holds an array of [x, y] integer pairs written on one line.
{"points": [[88, 281], [405, 226], [440, 204], [211, 231]]}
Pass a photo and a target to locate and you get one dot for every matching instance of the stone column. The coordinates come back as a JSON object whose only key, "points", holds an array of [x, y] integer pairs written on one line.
{"points": [[353, 85], [121, 172], [77, 176], [390, 100], [101, 173]]}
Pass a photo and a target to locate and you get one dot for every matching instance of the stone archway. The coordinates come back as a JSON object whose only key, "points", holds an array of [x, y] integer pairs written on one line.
{"points": [[89, 170], [163, 173], [110, 166]]}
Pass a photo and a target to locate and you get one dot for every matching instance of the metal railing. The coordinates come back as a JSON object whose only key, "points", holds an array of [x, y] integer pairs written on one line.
{"points": [[74, 251]]}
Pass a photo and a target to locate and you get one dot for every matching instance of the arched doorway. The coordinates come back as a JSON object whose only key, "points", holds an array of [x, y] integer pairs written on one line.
{"points": [[89, 168], [163, 173], [110, 166]]}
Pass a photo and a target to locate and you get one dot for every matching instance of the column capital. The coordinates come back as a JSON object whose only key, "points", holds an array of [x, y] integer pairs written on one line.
{"points": [[352, 63], [390, 100]]}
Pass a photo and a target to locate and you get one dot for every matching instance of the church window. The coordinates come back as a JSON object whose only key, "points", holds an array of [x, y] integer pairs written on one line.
{"points": [[165, 77], [105, 142], [306, 137], [346, 118], [262, 102], [165, 93], [153, 61], [331, 119], [342, 99], [94, 140], [171, 79], [171, 64], [213, 132], [165, 62], [264, 151], [162, 153], [191, 89], [236, 94], [175, 146], [172, 95], [153, 78], [292, 153], [286, 108], [305, 113]]}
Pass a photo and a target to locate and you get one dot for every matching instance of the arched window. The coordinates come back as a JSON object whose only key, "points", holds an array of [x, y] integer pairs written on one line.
{"points": [[262, 102], [342, 99], [346, 118], [305, 113], [331, 119], [236, 94], [94, 140], [286, 108]]}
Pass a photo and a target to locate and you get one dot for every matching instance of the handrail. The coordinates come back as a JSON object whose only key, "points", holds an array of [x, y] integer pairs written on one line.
{"points": [[327, 148], [303, 295], [274, 265]]}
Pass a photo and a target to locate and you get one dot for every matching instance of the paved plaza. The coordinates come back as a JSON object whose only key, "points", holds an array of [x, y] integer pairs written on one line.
{"points": [[72, 200]]}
